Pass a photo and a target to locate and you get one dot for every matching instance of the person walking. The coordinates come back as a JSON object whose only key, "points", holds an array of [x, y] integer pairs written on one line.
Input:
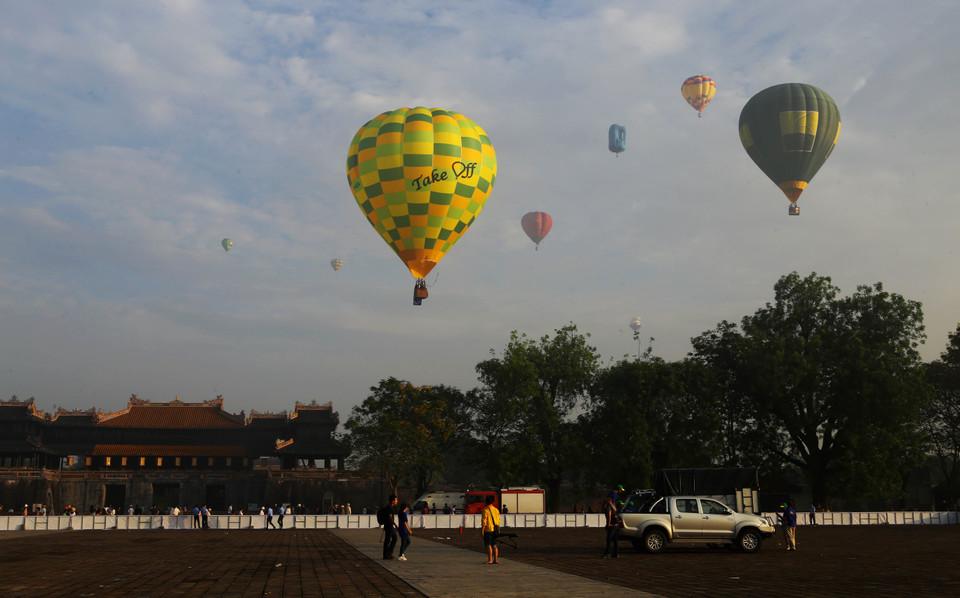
{"points": [[787, 516], [403, 524], [280, 513], [611, 525], [270, 518], [489, 528], [385, 518]]}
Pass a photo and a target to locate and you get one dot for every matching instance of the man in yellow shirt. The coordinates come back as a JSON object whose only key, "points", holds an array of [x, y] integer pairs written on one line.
{"points": [[488, 530]]}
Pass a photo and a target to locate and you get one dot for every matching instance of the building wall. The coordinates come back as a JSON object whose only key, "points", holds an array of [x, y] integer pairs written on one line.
{"points": [[243, 490]]}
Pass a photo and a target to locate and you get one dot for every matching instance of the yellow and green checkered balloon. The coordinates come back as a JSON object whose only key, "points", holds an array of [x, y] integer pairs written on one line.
{"points": [[421, 176]]}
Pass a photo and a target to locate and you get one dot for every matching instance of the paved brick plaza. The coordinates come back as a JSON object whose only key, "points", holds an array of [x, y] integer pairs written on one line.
{"points": [[841, 561], [831, 561], [207, 563]]}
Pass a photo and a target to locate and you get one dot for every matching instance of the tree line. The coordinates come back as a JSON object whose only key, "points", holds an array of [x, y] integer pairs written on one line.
{"points": [[830, 388]]}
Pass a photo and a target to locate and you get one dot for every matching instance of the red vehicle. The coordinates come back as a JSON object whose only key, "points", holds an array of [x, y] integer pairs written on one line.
{"points": [[507, 500]]}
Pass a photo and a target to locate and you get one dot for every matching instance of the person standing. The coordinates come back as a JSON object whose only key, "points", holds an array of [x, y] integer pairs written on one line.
{"points": [[204, 515], [611, 525], [788, 518], [489, 528], [618, 500], [813, 514], [196, 517], [403, 524], [385, 518]]}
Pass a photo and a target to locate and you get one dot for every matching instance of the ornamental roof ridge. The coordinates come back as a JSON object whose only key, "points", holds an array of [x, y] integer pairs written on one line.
{"points": [[267, 414], [176, 402], [175, 413], [29, 405], [15, 402], [113, 414], [314, 405], [76, 411], [63, 412]]}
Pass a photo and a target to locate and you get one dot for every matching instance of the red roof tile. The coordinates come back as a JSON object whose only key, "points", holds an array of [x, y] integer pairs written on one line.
{"points": [[172, 415]]}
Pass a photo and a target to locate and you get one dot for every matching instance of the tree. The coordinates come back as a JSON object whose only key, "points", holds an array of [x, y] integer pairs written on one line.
{"points": [[832, 384], [402, 430], [528, 394], [648, 414], [942, 416]]}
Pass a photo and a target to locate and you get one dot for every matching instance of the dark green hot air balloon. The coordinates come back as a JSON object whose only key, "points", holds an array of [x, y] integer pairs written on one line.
{"points": [[789, 130]]}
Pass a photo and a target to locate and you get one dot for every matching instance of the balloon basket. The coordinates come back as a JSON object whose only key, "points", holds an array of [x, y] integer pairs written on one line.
{"points": [[419, 291]]}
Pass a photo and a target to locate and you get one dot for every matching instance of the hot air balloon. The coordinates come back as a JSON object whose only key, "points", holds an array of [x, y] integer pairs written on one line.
{"points": [[336, 263], [421, 176], [227, 244], [698, 90], [536, 225], [618, 139], [636, 324], [789, 130]]}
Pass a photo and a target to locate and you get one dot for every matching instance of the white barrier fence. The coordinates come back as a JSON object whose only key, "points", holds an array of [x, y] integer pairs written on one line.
{"points": [[508, 520]]}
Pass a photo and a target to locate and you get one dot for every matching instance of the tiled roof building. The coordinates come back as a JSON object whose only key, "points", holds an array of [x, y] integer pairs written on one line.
{"points": [[173, 452]]}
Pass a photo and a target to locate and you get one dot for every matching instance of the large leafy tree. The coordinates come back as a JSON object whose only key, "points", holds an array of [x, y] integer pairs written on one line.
{"points": [[830, 385], [402, 430], [525, 404], [648, 414], [942, 417]]}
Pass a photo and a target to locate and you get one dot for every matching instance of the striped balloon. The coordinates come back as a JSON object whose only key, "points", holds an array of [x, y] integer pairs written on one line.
{"points": [[336, 263], [698, 90], [421, 176]]}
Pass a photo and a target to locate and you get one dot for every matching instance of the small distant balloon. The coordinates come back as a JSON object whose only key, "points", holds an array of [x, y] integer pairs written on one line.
{"points": [[618, 139], [636, 324], [336, 263], [698, 90], [227, 244], [537, 225]]}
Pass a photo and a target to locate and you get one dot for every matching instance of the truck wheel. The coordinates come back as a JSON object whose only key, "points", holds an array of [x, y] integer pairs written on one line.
{"points": [[749, 540], [654, 541]]}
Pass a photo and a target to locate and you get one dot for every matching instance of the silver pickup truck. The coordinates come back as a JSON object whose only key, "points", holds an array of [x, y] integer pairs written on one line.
{"points": [[693, 519]]}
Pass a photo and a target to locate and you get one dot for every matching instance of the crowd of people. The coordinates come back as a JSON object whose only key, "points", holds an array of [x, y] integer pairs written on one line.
{"points": [[39, 510]]}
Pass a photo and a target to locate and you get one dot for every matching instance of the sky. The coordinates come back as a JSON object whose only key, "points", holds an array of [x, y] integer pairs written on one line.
{"points": [[135, 136]]}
